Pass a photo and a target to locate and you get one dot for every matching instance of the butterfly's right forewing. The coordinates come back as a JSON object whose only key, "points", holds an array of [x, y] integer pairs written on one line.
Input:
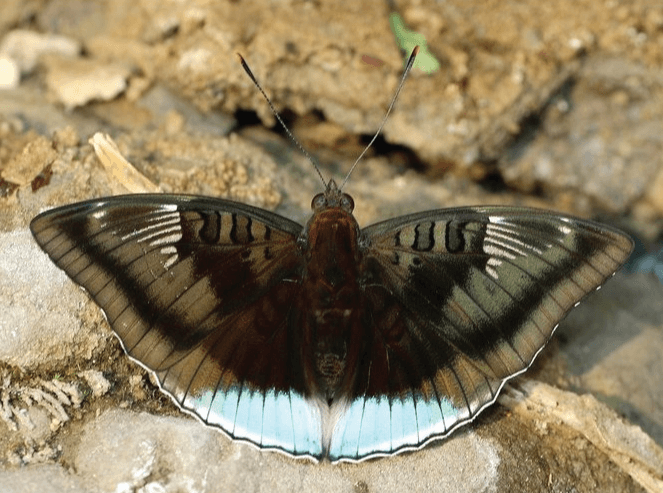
{"points": [[200, 291]]}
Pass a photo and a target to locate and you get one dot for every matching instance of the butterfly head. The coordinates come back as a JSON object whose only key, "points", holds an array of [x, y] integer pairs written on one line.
{"points": [[332, 224], [332, 197]]}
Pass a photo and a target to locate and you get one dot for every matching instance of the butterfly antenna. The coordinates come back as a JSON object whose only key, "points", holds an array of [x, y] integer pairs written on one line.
{"points": [[278, 117], [406, 72]]}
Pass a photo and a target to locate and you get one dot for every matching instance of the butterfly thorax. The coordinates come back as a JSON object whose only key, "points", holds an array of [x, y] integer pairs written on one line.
{"points": [[332, 295]]}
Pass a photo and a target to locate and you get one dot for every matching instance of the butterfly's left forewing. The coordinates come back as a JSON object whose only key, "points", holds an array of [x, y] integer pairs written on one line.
{"points": [[459, 301], [199, 291]]}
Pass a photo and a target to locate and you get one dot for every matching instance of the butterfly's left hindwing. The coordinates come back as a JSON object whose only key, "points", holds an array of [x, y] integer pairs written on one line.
{"points": [[460, 300], [197, 289]]}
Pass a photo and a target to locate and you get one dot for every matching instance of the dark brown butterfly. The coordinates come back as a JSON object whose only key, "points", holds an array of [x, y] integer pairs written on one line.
{"points": [[329, 340]]}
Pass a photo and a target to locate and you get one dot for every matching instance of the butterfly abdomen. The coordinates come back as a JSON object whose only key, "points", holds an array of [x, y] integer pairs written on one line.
{"points": [[332, 302]]}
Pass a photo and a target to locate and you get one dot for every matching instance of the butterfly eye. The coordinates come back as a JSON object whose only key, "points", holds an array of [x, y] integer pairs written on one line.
{"points": [[347, 203], [318, 202]]}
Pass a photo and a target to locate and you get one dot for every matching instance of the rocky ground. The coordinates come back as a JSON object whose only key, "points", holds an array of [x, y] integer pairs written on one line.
{"points": [[554, 104]]}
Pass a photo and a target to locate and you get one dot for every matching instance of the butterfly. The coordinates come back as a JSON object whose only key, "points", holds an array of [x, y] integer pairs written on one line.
{"points": [[327, 340]]}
